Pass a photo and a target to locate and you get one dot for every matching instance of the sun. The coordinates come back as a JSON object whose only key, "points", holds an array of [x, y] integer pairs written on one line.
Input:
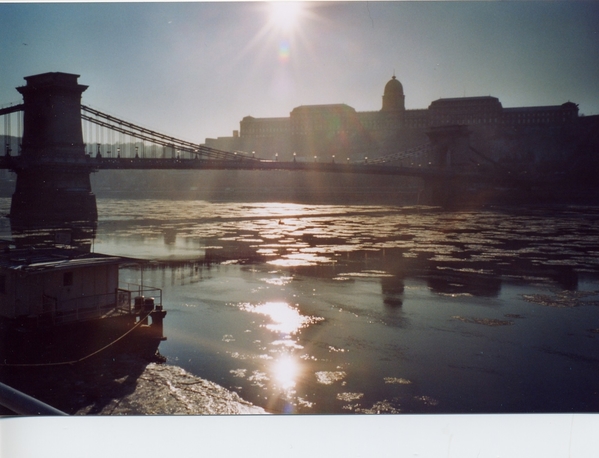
{"points": [[284, 15], [286, 27]]}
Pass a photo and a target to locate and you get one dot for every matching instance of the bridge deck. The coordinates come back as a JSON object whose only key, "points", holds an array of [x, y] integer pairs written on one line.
{"points": [[17, 163]]}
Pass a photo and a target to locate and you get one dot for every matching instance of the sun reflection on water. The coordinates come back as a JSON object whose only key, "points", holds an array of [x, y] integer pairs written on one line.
{"points": [[284, 318], [300, 260], [285, 370]]}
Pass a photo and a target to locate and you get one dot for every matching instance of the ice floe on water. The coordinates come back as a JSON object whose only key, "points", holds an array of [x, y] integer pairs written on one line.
{"points": [[483, 321], [563, 299], [329, 377], [380, 407], [348, 397], [238, 372], [399, 381], [170, 390], [427, 400], [258, 378]]}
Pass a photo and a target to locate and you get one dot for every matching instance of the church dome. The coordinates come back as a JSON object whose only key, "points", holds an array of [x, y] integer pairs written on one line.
{"points": [[393, 97], [393, 87]]}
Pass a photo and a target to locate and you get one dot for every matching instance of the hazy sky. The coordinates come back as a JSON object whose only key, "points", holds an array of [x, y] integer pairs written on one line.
{"points": [[194, 70]]}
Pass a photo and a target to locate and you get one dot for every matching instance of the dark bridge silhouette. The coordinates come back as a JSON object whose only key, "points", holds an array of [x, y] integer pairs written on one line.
{"points": [[53, 167]]}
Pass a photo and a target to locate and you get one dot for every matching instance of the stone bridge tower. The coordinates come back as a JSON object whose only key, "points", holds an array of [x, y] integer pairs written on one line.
{"points": [[449, 152], [53, 173], [450, 147]]}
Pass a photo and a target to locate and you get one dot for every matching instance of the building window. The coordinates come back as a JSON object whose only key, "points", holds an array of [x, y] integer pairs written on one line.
{"points": [[67, 279]]}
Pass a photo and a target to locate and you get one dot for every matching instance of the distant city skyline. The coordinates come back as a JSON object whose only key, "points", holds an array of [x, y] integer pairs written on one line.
{"points": [[194, 70]]}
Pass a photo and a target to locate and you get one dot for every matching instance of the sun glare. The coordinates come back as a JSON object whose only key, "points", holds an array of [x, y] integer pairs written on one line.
{"points": [[285, 31], [284, 14], [285, 318], [285, 371]]}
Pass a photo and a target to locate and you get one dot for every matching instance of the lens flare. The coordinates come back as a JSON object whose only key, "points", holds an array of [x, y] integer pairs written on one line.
{"points": [[284, 51]]}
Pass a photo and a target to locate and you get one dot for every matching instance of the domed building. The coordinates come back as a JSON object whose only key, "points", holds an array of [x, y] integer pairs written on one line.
{"points": [[393, 96], [324, 131]]}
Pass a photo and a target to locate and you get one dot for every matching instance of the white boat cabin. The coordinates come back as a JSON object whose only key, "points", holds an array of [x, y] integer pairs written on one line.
{"points": [[59, 285]]}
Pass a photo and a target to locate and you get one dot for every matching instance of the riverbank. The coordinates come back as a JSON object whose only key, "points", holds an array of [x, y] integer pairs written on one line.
{"points": [[162, 389], [124, 381]]}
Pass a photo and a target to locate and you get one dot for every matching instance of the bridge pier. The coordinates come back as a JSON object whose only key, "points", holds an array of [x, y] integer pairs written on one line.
{"points": [[450, 147], [444, 192], [450, 152], [53, 188]]}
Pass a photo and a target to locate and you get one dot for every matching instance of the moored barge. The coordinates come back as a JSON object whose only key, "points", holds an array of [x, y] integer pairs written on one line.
{"points": [[60, 305]]}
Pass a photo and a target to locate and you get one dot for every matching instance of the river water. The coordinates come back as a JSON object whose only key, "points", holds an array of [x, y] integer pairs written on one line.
{"points": [[357, 309]]}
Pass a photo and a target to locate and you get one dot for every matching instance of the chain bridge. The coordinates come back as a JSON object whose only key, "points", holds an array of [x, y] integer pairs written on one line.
{"points": [[53, 142]]}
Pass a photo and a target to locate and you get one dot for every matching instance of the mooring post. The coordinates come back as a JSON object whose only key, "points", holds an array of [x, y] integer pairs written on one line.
{"points": [[157, 327]]}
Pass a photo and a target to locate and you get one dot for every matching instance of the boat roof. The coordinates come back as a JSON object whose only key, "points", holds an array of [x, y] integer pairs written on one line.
{"points": [[34, 260]]}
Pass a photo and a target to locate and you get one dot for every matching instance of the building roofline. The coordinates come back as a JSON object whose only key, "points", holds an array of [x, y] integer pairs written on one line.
{"points": [[455, 99], [326, 105], [536, 108]]}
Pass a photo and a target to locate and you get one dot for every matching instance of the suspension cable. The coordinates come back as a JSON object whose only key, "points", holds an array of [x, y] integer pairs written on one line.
{"points": [[143, 134]]}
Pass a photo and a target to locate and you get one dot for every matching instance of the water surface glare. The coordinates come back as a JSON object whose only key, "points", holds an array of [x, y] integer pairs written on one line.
{"points": [[373, 309]]}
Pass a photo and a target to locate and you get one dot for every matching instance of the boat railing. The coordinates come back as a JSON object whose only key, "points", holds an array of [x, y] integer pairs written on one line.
{"points": [[123, 301], [142, 291]]}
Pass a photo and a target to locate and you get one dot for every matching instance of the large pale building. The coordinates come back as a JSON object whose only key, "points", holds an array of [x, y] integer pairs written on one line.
{"points": [[319, 132]]}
